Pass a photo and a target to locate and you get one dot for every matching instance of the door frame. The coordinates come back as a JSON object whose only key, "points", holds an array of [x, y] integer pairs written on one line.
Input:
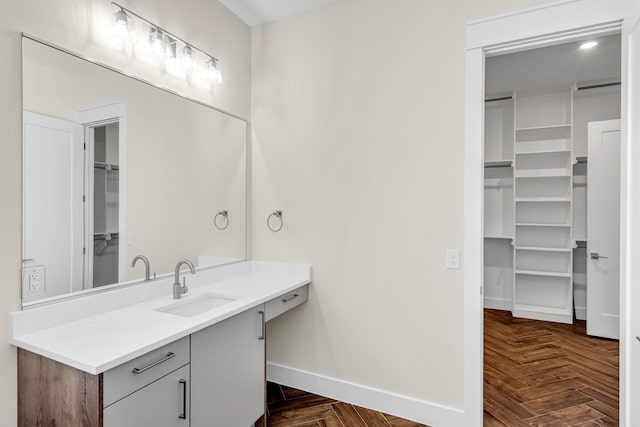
{"points": [[560, 22], [91, 118]]}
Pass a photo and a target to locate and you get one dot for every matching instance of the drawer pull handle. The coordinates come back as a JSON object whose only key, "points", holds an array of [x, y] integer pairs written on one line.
{"points": [[183, 414], [290, 298], [261, 325], [151, 365]]}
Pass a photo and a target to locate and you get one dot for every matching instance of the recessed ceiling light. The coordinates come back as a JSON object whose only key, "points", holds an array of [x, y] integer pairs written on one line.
{"points": [[588, 45]]}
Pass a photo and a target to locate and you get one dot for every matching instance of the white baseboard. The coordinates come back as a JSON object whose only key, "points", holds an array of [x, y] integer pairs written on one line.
{"points": [[581, 313], [412, 409], [498, 303]]}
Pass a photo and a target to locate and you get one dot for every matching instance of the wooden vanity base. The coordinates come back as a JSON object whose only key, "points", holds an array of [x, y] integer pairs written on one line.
{"points": [[51, 394]]}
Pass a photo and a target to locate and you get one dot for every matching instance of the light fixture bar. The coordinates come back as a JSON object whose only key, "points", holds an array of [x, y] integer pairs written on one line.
{"points": [[163, 31]]}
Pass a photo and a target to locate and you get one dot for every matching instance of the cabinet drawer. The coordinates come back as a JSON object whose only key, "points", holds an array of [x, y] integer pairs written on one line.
{"points": [[137, 373], [163, 403], [286, 302]]}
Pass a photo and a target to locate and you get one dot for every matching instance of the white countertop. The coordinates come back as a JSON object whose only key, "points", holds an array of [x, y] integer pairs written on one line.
{"points": [[100, 331]]}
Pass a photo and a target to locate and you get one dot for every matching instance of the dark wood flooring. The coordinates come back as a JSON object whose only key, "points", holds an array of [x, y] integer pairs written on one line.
{"points": [[547, 374], [536, 374], [288, 407]]}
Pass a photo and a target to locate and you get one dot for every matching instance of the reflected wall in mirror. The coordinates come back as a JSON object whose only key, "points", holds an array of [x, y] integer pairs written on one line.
{"points": [[113, 168]]}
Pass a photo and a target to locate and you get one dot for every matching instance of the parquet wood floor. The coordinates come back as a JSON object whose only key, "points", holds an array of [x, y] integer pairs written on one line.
{"points": [[288, 407], [547, 374], [536, 374]]}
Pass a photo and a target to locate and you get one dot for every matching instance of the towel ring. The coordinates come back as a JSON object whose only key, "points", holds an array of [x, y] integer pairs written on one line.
{"points": [[277, 214], [225, 215]]}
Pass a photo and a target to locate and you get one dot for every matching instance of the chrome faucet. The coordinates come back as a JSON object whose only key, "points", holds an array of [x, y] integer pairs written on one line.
{"points": [[146, 266], [178, 289]]}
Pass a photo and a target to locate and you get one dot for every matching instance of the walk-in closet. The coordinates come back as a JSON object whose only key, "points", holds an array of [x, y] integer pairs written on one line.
{"points": [[552, 183]]}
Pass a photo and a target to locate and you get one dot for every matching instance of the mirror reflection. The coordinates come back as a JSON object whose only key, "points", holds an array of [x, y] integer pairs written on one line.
{"points": [[114, 168]]}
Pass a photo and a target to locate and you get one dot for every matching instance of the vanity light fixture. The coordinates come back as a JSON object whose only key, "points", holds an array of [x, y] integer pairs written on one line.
{"points": [[588, 45], [188, 60], [156, 41], [213, 71], [168, 45], [121, 28]]}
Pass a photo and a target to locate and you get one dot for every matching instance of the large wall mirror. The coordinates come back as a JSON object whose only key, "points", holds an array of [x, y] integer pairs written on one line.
{"points": [[113, 168]]}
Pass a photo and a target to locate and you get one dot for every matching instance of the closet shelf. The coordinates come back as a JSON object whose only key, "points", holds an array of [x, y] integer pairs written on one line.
{"points": [[543, 273], [489, 236], [541, 152], [550, 127], [540, 249], [548, 175], [535, 224], [543, 199]]}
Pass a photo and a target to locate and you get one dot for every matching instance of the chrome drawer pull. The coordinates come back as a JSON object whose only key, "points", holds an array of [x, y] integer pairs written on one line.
{"points": [[164, 359], [638, 338], [290, 298]]}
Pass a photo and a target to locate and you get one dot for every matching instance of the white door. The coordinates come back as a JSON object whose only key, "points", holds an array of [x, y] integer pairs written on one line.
{"points": [[53, 216], [603, 229]]}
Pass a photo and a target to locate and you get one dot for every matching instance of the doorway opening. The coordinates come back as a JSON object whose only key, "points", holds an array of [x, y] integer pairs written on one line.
{"points": [[102, 207], [551, 283]]}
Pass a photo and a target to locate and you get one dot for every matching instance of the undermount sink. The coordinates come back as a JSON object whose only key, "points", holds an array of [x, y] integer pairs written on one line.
{"points": [[196, 305]]}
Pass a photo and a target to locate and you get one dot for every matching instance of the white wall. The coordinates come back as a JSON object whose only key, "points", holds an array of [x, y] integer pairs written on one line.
{"points": [[358, 136], [69, 23]]}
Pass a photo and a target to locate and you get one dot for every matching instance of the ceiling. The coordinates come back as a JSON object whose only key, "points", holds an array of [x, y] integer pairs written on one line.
{"points": [[258, 12], [554, 67]]}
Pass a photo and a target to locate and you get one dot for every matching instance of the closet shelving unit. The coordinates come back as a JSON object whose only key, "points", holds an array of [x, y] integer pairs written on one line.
{"points": [[543, 206], [528, 204]]}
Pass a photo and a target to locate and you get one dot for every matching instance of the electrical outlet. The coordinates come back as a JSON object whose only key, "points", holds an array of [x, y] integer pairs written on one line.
{"points": [[33, 281], [453, 259]]}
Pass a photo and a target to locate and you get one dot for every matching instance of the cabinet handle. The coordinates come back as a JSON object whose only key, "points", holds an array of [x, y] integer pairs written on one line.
{"points": [[261, 326], [290, 298], [183, 414], [151, 365]]}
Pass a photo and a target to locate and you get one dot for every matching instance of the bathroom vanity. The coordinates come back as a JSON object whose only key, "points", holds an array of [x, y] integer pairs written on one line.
{"points": [[135, 356]]}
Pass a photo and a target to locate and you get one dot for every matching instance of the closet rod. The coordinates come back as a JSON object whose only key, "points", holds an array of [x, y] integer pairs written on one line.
{"points": [[101, 165], [497, 166], [504, 98], [600, 85], [103, 236]]}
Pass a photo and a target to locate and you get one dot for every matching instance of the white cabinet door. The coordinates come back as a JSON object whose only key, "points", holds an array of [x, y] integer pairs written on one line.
{"points": [[227, 371], [603, 229], [163, 403]]}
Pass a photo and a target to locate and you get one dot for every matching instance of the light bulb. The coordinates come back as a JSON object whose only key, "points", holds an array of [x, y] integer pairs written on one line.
{"points": [[169, 45], [213, 72], [156, 41], [187, 57], [120, 26]]}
